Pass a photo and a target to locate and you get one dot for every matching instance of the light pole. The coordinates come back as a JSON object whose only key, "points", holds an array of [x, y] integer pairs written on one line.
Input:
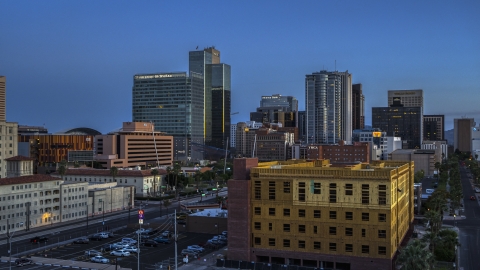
{"points": [[9, 239], [454, 223], [103, 214]]}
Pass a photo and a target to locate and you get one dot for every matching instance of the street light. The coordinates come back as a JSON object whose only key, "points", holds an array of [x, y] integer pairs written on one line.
{"points": [[9, 239], [454, 223], [103, 214]]}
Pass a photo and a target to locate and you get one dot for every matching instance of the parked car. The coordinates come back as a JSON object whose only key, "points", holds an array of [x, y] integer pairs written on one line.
{"points": [[96, 237], [225, 233], [111, 234], [99, 259], [149, 243], [222, 237], [81, 240], [23, 261], [473, 198], [189, 252], [196, 248], [477, 190], [162, 240], [120, 252], [93, 253], [166, 234], [131, 249], [130, 241], [143, 231], [182, 222], [38, 239], [108, 247], [120, 245]]}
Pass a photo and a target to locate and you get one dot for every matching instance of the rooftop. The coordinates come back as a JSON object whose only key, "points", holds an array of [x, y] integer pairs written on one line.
{"points": [[106, 172], [19, 158], [35, 178]]}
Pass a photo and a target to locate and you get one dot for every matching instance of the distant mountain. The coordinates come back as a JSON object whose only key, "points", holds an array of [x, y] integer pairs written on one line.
{"points": [[448, 135]]}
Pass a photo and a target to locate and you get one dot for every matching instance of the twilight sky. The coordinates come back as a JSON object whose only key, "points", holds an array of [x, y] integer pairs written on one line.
{"points": [[71, 63]]}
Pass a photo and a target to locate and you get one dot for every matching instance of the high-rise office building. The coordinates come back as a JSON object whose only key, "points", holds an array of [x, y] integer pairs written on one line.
{"points": [[462, 134], [403, 122], [408, 98], [217, 95], [278, 100], [328, 106], [174, 103], [433, 127], [358, 107], [3, 92]]}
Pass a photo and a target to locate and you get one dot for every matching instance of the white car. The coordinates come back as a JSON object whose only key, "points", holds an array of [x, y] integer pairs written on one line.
{"points": [[477, 190], [166, 234], [103, 235], [120, 245], [196, 248], [120, 252], [129, 241], [99, 259], [131, 249]]}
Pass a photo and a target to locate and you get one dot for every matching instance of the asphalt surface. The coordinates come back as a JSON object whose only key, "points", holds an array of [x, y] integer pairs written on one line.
{"points": [[469, 227], [62, 234]]}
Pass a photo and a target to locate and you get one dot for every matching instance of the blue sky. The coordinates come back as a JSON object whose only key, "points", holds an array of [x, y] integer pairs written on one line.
{"points": [[71, 63]]}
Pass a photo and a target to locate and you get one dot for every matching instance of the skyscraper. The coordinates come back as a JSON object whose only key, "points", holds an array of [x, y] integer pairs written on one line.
{"points": [[433, 127], [217, 97], [3, 82], [408, 98], [174, 102], [358, 107], [462, 134], [328, 106], [278, 100]]}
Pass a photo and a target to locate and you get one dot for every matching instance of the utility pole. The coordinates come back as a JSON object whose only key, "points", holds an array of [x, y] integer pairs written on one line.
{"points": [[175, 222], [87, 216]]}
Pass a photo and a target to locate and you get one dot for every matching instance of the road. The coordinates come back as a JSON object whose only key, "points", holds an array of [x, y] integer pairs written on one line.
{"points": [[469, 227], [64, 232]]}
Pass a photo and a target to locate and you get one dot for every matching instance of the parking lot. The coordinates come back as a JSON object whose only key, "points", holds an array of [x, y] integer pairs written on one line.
{"points": [[149, 256]]}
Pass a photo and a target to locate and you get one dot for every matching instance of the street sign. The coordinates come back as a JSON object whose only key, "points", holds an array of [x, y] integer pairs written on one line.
{"points": [[141, 214], [140, 221]]}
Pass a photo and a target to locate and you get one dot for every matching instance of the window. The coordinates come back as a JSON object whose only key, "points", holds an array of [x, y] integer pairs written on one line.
{"points": [[317, 245], [286, 227], [382, 250], [315, 229], [271, 190], [382, 194], [382, 234], [301, 212], [257, 241], [258, 190], [258, 211], [317, 214], [365, 249], [332, 231], [348, 231], [365, 216], [332, 246], [301, 244], [382, 217], [348, 248], [271, 242], [301, 191], [258, 226], [317, 188], [301, 228], [286, 212], [270, 226], [349, 215], [365, 194], [333, 214], [286, 243], [348, 189], [333, 193], [364, 232], [271, 211], [286, 187]]}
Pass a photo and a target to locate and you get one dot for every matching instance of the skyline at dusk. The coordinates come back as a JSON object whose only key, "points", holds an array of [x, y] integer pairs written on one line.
{"points": [[71, 64]]}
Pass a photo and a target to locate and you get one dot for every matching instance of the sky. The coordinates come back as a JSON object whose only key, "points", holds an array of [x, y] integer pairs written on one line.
{"points": [[71, 63]]}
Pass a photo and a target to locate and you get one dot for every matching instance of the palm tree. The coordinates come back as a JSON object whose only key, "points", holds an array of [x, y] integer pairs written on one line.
{"points": [[176, 170], [154, 172], [62, 170], [114, 172], [415, 256], [169, 171]]}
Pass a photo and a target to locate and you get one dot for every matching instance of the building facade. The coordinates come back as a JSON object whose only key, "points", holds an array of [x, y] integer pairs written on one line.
{"points": [[136, 144], [424, 159], [380, 144], [433, 127], [462, 134], [328, 106], [408, 98], [403, 122], [174, 103], [8, 144], [358, 107], [311, 214], [3, 99]]}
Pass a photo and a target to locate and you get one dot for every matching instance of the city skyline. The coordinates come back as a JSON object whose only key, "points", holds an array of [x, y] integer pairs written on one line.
{"points": [[56, 53]]}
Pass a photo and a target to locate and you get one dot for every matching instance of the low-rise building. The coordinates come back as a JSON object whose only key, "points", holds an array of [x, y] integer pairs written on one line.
{"points": [[424, 159]]}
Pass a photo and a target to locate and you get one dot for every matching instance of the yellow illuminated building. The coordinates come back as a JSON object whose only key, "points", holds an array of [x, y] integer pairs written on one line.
{"points": [[314, 214]]}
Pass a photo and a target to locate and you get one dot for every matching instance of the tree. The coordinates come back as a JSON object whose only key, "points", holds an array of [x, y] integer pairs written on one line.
{"points": [[447, 241], [114, 172], [176, 170], [62, 170], [415, 256], [154, 172], [419, 176]]}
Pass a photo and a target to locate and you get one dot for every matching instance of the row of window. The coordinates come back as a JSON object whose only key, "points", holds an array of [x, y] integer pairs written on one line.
{"points": [[105, 180], [287, 243], [318, 214]]}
